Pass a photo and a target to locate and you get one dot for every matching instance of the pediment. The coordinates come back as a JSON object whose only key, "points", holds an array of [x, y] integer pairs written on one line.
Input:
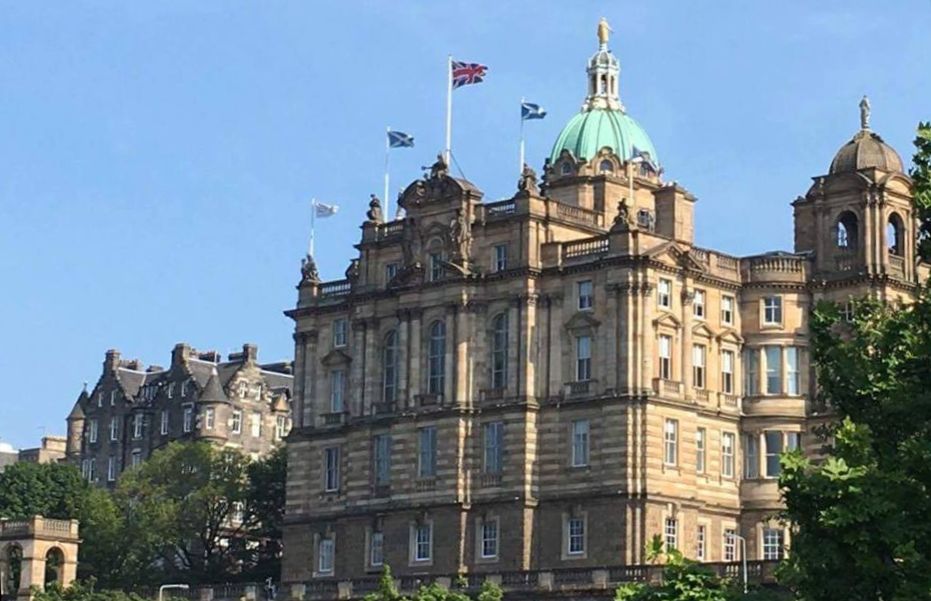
{"points": [[582, 320], [730, 335], [667, 319], [336, 357], [669, 253], [702, 329]]}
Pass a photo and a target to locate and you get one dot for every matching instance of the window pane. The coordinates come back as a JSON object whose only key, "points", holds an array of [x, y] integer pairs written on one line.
{"points": [[751, 456], [773, 369], [773, 440]]}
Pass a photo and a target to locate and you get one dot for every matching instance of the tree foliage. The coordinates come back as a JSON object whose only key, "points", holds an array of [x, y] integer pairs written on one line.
{"points": [[862, 519], [51, 490], [388, 591]]}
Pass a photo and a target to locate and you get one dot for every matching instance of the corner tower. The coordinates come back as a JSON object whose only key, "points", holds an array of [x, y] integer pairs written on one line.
{"points": [[858, 220]]}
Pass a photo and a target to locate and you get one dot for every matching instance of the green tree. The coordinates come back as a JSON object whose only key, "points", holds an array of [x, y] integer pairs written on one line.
{"points": [[862, 528], [54, 490], [264, 513]]}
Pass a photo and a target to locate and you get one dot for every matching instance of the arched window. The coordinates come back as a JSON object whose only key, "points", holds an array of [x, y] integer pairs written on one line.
{"points": [[847, 231], [390, 367], [894, 231], [499, 351], [54, 562], [606, 166], [566, 169], [11, 568], [436, 358]]}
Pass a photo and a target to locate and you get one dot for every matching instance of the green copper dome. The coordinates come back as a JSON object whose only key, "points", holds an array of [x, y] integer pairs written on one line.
{"points": [[591, 130]]}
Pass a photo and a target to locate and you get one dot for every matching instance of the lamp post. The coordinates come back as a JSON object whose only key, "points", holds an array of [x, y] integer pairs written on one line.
{"points": [[166, 587], [743, 556]]}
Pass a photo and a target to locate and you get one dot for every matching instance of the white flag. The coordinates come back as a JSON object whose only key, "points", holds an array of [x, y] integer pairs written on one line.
{"points": [[325, 210]]}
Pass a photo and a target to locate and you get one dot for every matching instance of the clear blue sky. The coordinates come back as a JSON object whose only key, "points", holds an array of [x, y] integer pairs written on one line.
{"points": [[158, 158]]}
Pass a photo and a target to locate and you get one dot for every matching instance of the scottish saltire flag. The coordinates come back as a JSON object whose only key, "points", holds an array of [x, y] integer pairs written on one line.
{"points": [[465, 74], [645, 155], [529, 110], [399, 139], [324, 210]]}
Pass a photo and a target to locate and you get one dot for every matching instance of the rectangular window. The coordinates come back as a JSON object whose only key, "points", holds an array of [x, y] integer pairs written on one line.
{"points": [[111, 469], [377, 549], [188, 422], [426, 464], [331, 469], [730, 544], [489, 539], [112, 398], [793, 383], [340, 332], [576, 531], [580, 429], [701, 543], [114, 429], [665, 357], [727, 372], [92, 431], [751, 456], [752, 371], [700, 452], [255, 424], [136, 459], [772, 544], [698, 366], [698, 304], [772, 310], [436, 267], [501, 257], [773, 369], [423, 542], [773, 440], [727, 454], [583, 358], [671, 442], [727, 310], [664, 293], [671, 533], [163, 426], [92, 473], [382, 459], [494, 447], [586, 295], [171, 390], [391, 272], [281, 427], [236, 425], [138, 425], [210, 418], [325, 559], [100, 399], [337, 388]]}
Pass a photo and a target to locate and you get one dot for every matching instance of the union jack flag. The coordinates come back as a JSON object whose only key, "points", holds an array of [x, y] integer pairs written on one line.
{"points": [[465, 74]]}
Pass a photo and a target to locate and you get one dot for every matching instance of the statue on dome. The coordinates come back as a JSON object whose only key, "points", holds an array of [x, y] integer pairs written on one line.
{"points": [[865, 113], [528, 180], [604, 31]]}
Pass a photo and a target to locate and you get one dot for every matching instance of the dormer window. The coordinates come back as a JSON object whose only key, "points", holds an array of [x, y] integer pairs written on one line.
{"points": [[184, 386], [606, 166], [243, 389], [100, 399], [112, 397], [171, 389], [565, 169]]}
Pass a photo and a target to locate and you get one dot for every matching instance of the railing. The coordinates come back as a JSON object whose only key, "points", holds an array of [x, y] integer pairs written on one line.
{"points": [[392, 228], [337, 288], [661, 386], [582, 387], [489, 480], [572, 576], [897, 264], [333, 419], [730, 400], [700, 255], [586, 247], [519, 580], [700, 395], [777, 263], [426, 484], [578, 214], [845, 261], [386, 408], [628, 574], [503, 207], [39, 525], [493, 394]]}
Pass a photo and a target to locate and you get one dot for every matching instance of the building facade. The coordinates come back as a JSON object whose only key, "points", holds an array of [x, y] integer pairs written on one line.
{"points": [[134, 410], [549, 380]]}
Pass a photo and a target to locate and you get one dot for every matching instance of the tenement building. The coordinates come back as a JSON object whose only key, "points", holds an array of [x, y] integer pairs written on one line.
{"points": [[550, 380], [134, 410]]}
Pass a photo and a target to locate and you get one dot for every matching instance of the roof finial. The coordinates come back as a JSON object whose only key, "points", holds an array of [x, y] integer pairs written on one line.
{"points": [[604, 31], [865, 113]]}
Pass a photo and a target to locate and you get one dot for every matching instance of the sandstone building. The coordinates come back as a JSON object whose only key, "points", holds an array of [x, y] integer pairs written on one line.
{"points": [[134, 410], [549, 380]]}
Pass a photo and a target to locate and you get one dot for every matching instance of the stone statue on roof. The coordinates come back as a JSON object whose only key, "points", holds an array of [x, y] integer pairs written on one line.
{"points": [[528, 180], [604, 31], [865, 113], [439, 169]]}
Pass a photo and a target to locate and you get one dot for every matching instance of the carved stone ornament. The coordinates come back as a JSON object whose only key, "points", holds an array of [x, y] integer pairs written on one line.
{"points": [[460, 236], [622, 220], [352, 272], [374, 214], [309, 271], [528, 180]]}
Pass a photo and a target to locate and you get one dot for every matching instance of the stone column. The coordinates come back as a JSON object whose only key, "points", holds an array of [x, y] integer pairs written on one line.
{"points": [[354, 388], [449, 381], [404, 326], [528, 358], [555, 333], [415, 356], [461, 371], [515, 375], [688, 295], [371, 367], [307, 377], [646, 339]]}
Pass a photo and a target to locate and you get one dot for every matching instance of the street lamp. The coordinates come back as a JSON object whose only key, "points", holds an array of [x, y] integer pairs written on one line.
{"points": [[743, 554], [166, 587]]}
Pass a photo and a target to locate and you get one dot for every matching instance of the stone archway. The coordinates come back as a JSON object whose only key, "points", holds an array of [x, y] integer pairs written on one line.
{"points": [[36, 552]]}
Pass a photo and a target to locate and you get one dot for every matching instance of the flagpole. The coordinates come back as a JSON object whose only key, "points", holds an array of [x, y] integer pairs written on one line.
{"points": [[521, 165], [313, 214], [387, 157], [449, 108]]}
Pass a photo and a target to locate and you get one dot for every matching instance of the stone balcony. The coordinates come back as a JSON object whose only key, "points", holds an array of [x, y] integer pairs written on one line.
{"points": [[39, 527]]}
